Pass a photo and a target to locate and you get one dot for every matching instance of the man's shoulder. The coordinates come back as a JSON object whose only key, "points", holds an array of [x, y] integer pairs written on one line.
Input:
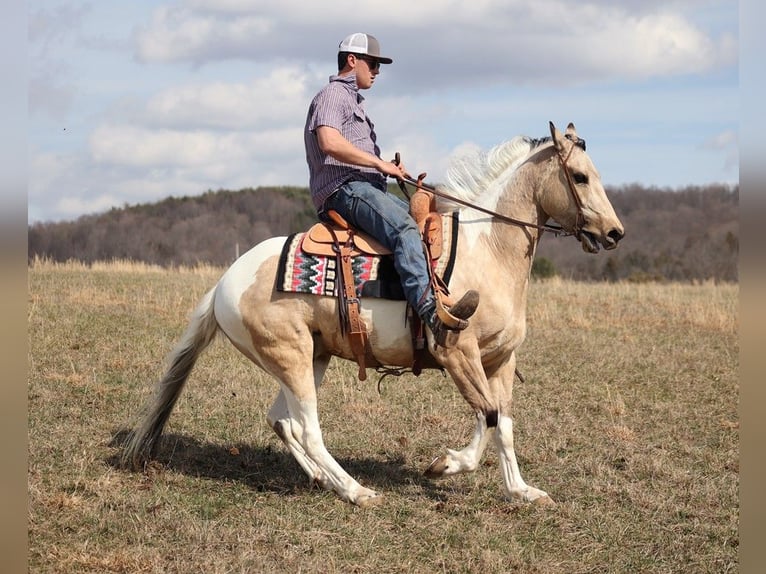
{"points": [[334, 89], [333, 101]]}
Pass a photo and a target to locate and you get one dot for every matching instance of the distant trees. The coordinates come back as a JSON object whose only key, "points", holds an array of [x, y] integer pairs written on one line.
{"points": [[543, 268], [688, 234], [177, 231]]}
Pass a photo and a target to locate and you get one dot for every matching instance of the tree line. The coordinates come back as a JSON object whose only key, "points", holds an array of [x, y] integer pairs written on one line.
{"points": [[687, 234], [209, 228]]}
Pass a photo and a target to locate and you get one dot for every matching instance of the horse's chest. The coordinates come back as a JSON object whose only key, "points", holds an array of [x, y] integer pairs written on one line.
{"points": [[502, 344]]}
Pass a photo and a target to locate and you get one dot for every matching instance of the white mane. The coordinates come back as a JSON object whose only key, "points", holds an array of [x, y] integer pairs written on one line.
{"points": [[478, 172]]}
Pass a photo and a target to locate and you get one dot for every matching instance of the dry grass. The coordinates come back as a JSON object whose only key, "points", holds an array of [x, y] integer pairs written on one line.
{"points": [[628, 418]]}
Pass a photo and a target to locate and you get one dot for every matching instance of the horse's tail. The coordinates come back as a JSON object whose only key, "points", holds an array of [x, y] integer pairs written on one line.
{"points": [[142, 441]]}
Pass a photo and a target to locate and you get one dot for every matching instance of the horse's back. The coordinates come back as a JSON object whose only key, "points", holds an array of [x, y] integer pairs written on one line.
{"points": [[242, 273]]}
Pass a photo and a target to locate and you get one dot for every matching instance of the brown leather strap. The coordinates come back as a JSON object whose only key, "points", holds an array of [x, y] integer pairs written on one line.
{"points": [[357, 333], [337, 219], [417, 332], [438, 286]]}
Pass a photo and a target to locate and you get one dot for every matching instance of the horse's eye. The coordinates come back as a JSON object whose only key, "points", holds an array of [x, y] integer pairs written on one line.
{"points": [[579, 178]]}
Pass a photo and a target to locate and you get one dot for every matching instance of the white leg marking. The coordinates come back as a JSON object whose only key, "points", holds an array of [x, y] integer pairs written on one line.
{"points": [[310, 439], [286, 429], [515, 487], [466, 460], [296, 422]]}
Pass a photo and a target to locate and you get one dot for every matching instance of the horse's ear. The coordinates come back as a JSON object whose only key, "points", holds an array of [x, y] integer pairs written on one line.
{"points": [[558, 139], [571, 131]]}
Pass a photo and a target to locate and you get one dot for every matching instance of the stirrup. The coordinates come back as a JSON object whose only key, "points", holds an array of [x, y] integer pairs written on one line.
{"points": [[456, 317]]}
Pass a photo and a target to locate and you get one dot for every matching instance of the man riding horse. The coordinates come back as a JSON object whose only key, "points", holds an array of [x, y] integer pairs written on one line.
{"points": [[348, 178], [292, 336]]}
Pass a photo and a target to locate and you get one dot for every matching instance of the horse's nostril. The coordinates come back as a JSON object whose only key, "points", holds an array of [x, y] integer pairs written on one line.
{"points": [[615, 235]]}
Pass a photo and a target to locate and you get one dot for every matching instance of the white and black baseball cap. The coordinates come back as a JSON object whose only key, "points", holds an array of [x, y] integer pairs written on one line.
{"points": [[365, 44]]}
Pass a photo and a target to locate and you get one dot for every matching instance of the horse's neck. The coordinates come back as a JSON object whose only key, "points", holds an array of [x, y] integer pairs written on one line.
{"points": [[502, 247], [498, 249]]}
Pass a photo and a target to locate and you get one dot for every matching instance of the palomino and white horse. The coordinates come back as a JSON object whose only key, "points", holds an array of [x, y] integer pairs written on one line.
{"points": [[292, 336]]}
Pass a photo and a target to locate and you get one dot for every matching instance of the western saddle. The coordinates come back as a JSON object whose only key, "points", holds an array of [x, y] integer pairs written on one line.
{"points": [[338, 239]]}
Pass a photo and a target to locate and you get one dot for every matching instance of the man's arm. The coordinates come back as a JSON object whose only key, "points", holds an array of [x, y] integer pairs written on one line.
{"points": [[334, 144]]}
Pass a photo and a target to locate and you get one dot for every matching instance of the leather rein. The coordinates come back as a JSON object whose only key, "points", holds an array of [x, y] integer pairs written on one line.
{"points": [[556, 230]]}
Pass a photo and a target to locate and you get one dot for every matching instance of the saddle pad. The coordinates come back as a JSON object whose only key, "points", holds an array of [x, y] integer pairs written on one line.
{"points": [[301, 272], [374, 275]]}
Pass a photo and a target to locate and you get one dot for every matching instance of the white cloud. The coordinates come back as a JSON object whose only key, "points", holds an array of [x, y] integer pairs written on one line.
{"points": [[274, 99], [134, 164], [723, 140], [49, 93], [219, 93], [72, 206], [542, 41], [45, 170], [176, 33], [48, 29], [53, 189], [49, 32], [146, 147], [658, 45]]}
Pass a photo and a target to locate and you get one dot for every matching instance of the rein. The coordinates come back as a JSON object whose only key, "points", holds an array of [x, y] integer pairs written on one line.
{"points": [[556, 230]]}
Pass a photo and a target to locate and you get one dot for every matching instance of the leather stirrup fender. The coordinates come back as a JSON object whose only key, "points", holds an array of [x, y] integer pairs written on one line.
{"points": [[357, 332]]}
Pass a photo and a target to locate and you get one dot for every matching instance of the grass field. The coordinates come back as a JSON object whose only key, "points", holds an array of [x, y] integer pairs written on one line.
{"points": [[627, 418]]}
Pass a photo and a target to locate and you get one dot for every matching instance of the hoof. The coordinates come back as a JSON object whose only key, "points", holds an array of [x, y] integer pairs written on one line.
{"points": [[530, 495], [437, 468], [369, 500], [544, 501]]}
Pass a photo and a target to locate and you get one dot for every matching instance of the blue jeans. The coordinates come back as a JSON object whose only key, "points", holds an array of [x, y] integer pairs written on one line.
{"points": [[387, 218]]}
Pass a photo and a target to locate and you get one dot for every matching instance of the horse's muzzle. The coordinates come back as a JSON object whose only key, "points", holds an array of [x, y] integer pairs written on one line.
{"points": [[591, 244], [613, 238]]}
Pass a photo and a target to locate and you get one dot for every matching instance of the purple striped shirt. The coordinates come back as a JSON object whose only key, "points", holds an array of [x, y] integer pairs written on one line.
{"points": [[338, 105]]}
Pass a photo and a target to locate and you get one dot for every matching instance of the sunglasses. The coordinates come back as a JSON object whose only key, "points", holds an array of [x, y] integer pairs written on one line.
{"points": [[371, 63]]}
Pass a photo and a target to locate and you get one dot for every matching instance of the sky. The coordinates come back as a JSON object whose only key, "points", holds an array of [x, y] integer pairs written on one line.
{"points": [[133, 102]]}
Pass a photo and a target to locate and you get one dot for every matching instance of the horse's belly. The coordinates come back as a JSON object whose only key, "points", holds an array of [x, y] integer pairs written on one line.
{"points": [[390, 335]]}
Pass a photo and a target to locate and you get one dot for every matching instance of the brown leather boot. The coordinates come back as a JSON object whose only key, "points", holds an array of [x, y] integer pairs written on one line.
{"points": [[455, 320]]}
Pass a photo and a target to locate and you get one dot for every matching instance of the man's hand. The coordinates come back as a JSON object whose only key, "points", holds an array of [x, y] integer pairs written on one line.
{"points": [[333, 143], [391, 169]]}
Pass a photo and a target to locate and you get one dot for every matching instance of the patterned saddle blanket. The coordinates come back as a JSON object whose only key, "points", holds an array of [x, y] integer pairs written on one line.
{"points": [[374, 275]]}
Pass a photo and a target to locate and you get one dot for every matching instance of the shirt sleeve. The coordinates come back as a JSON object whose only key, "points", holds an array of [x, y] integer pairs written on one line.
{"points": [[328, 109]]}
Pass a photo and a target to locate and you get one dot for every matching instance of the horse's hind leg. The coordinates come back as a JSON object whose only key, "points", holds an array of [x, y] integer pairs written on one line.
{"points": [[295, 419], [279, 420]]}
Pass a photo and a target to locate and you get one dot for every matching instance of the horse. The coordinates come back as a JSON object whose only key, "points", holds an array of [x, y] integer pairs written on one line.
{"points": [[293, 336]]}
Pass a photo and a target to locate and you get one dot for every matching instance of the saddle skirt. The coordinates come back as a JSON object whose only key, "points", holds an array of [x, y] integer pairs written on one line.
{"points": [[320, 240], [308, 262]]}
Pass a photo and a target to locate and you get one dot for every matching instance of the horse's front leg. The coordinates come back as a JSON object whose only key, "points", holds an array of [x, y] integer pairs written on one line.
{"points": [[515, 487], [466, 460], [491, 398], [514, 484]]}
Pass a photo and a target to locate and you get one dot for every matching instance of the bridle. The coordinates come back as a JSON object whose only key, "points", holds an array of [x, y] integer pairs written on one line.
{"points": [[580, 218], [556, 230]]}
